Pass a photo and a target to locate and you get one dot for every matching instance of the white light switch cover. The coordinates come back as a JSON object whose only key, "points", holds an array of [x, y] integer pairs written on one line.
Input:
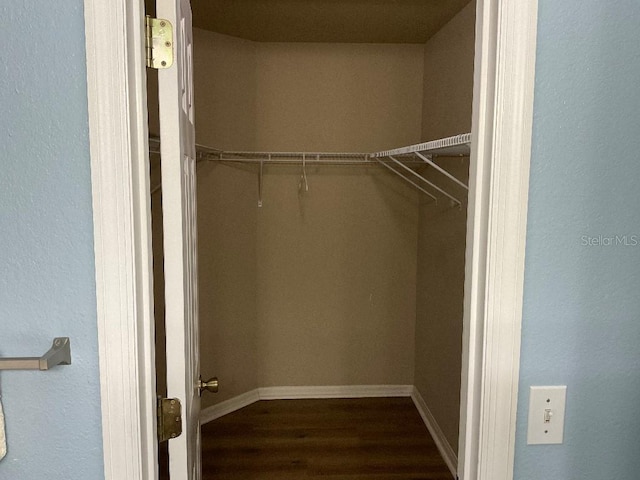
{"points": [[546, 415]]}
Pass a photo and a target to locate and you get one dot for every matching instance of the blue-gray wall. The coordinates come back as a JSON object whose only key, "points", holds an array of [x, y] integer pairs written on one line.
{"points": [[581, 324], [47, 285]]}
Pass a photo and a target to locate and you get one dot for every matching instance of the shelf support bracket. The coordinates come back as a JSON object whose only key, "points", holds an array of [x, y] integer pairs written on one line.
{"points": [[435, 187], [407, 179], [430, 162]]}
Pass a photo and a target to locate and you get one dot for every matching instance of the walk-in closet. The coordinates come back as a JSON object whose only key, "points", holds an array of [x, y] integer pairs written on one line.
{"points": [[333, 157]]}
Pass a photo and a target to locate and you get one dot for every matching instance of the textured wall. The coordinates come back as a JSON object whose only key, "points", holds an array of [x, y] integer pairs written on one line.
{"points": [[336, 265], [440, 294], [581, 324], [448, 77], [47, 285], [225, 88], [329, 275], [448, 88], [336, 278], [338, 97], [225, 96]]}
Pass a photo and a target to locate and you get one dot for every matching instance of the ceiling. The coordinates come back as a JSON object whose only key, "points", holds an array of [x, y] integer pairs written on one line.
{"points": [[340, 21]]}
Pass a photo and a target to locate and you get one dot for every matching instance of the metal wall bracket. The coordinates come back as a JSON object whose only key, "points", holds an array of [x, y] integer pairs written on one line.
{"points": [[158, 42], [58, 354], [169, 418]]}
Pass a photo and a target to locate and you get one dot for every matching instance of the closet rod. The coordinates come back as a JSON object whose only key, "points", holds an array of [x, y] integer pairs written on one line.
{"points": [[309, 161], [293, 162], [291, 154], [288, 158], [418, 154], [458, 145]]}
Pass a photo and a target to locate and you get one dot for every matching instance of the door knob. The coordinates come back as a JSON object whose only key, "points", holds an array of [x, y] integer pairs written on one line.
{"points": [[210, 385]]}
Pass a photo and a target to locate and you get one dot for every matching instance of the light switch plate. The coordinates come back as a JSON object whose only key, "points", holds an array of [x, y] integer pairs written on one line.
{"points": [[546, 415]]}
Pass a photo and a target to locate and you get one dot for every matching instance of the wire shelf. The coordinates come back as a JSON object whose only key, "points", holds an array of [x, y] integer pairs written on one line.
{"points": [[396, 160]]}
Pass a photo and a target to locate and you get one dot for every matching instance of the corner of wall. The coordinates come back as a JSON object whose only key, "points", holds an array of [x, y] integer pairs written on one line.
{"points": [[448, 77], [447, 102]]}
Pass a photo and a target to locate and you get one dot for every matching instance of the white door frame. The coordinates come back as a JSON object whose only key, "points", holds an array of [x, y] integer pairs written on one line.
{"points": [[499, 183], [496, 231], [118, 135]]}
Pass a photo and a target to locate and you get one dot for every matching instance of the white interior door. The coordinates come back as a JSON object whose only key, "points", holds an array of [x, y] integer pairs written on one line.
{"points": [[178, 153]]}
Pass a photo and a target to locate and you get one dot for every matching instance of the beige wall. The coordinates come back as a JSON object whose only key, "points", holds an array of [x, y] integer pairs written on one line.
{"points": [[336, 265], [442, 229], [338, 97], [336, 278], [224, 78], [227, 260], [316, 289], [439, 308], [448, 77], [225, 90]]}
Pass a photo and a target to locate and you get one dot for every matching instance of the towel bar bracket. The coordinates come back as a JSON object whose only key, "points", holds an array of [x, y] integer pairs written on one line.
{"points": [[58, 354]]}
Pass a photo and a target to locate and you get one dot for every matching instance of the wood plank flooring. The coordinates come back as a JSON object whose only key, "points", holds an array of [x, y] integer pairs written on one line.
{"points": [[351, 439]]}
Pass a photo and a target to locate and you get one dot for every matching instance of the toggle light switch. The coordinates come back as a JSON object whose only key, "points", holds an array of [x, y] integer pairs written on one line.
{"points": [[546, 415]]}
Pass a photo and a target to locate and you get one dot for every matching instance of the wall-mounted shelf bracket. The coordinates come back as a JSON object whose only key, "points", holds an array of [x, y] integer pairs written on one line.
{"points": [[407, 179], [432, 185], [458, 145], [58, 354], [428, 161]]}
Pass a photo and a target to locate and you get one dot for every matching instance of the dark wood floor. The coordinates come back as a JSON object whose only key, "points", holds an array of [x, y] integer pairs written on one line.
{"points": [[354, 439]]}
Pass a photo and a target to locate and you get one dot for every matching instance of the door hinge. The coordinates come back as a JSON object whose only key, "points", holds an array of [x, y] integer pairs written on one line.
{"points": [[158, 42], [169, 418]]}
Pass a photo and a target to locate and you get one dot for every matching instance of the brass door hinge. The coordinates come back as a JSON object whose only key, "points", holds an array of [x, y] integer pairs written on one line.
{"points": [[158, 42], [169, 418]]}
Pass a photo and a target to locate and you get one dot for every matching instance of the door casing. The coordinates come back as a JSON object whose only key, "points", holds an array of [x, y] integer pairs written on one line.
{"points": [[498, 199]]}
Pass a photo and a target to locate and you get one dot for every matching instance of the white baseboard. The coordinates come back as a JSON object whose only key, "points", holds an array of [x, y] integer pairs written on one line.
{"points": [[292, 393], [228, 406], [447, 452], [337, 391]]}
